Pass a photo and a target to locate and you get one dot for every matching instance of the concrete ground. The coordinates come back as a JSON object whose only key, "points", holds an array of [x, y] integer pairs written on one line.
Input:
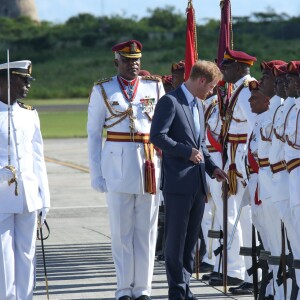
{"points": [[78, 253]]}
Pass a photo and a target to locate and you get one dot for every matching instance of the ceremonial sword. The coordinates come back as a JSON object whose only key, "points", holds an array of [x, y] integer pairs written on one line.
{"points": [[9, 166]]}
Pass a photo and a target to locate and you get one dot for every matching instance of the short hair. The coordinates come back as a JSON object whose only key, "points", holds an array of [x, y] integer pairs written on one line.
{"points": [[206, 69]]}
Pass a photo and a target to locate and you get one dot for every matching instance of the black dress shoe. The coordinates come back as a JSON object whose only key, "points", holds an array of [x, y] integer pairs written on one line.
{"points": [[246, 288], [143, 297], [205, 267], [206, 277], [219, 281], [125, 298], [241, 286]]}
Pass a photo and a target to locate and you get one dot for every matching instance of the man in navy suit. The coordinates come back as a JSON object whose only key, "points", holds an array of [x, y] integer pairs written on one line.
{"points": [[178, 129]]}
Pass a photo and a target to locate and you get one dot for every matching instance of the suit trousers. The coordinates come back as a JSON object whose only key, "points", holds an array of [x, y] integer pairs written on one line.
{"points": [[182, 226], [133, 225], [17, 255]]}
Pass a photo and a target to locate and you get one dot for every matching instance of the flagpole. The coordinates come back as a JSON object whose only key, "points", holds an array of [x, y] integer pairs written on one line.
{"points": [[8, 110]]}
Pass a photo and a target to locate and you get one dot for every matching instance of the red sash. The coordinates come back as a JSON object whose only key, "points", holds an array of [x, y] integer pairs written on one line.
{"points": [[255, 167], [213, 142]]}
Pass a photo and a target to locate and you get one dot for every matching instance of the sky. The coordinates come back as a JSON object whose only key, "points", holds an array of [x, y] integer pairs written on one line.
{"points": [[58, 11]]}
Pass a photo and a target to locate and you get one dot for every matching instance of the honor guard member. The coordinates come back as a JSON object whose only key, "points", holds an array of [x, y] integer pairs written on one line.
{"points": [[292, 158], [126, 169], [271, 220], [23, 182], [237, 127], [235, 263], [280, 179], [259, 104]]}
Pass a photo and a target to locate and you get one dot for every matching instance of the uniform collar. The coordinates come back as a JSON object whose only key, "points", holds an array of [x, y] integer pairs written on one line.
{"points": [[262, 116], [4, 106]]}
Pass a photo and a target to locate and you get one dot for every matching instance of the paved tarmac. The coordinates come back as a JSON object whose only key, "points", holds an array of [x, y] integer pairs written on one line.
{"points": [[78, 253]]}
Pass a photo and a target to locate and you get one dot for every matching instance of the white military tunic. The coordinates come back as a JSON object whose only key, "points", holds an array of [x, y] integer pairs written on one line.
{"points": [[18, 214], [120, 166]]}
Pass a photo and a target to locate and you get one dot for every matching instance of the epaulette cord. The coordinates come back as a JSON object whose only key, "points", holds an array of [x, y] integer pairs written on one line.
{"points": [[25, 106], [100, 81], [151, 77]]}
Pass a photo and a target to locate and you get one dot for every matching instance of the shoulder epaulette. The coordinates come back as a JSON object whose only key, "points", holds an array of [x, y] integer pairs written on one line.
{"points": [[151, 77], [214, 102], [246, 82], [100, 81], [25, 106]]}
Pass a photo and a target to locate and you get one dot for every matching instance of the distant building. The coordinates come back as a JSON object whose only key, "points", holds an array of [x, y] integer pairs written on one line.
{"points": [[17, 8]]}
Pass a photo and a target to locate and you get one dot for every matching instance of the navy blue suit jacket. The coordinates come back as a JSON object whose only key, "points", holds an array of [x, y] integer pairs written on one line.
{"points": [[173, 131]]}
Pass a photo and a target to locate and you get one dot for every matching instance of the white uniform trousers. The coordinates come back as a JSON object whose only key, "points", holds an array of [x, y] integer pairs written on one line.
{"points": [[295, 214], [262, 224], [133, 225], [284, 211], [17, 252], [246, 227], [235, 262], [272, 228]]}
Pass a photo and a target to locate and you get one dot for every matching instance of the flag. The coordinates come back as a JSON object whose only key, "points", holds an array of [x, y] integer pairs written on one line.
{"points": [[191, 54], [225, 41], [225, 34]]}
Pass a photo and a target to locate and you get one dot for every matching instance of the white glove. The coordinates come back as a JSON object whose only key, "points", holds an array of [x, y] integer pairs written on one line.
{"points": [[99, 184], [43, 213], [5, 175]]}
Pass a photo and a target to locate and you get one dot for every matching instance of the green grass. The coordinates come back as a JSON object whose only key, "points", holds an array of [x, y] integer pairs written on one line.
{"points": [[41, 102], [64, 124]]}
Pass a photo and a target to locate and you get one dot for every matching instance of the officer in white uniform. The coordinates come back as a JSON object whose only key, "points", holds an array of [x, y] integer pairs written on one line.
{"points": [[127, 168], [23, 183]]}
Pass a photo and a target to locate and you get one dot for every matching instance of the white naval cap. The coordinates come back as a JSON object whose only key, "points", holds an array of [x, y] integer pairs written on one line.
{"points": [[21, 67]]}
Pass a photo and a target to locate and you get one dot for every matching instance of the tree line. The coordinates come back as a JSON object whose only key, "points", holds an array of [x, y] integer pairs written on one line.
{"points": [[67, 58]]}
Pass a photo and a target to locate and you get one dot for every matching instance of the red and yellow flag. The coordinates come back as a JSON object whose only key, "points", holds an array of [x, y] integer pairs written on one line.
{"points": [[191, 54], [225, 34]]}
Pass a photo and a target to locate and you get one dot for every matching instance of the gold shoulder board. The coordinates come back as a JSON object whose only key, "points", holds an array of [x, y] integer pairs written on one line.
{"points": [[151, 77], [100, 81], [25, 106]]}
